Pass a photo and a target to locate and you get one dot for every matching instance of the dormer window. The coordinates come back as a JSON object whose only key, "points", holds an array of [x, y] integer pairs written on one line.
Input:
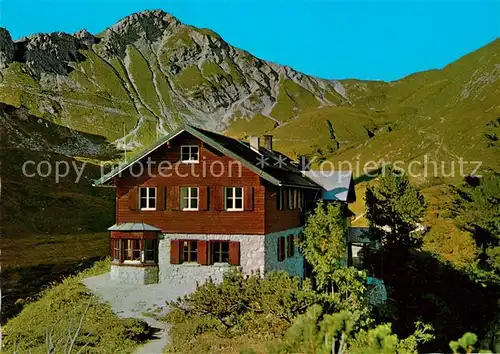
{"points": [[190, 153]]}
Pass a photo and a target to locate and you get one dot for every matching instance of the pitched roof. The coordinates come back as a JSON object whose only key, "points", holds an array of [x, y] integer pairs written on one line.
{"points": [[277, 169], [133, 226]]}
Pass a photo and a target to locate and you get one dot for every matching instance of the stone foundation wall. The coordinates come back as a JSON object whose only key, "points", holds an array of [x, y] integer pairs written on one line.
{"points": [[252, 258], [293, 265], [258, 254], [123, 274]]}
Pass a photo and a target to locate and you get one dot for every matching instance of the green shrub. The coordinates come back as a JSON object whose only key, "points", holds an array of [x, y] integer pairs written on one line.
{"points": [[240, 309], [67, 313], [316, 332]]}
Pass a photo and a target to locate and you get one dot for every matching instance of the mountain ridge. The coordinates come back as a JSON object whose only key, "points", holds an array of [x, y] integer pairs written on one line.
{"points": [[149, 72], [172, 52]]}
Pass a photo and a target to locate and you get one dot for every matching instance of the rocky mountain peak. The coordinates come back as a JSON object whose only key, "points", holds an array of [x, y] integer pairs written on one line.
{"points": [[6, 48], [86, 38], [148, 22], [142, 28], [48, 52], [152, 69]]}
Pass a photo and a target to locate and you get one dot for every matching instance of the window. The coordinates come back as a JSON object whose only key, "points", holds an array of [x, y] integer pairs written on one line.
{"points": [[116, 250], [292, 201], [190, 153], [357, 253], [291, 246], [190, 251], [300, 240], [150, 251], [281, 248], [189, 198], [234, 198], [148, 198], [281, 199], [132, 251], [220, 251], [300, 199]]}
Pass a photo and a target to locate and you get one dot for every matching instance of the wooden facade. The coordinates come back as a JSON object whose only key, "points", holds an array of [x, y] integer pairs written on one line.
{"points": [[211, 174]]}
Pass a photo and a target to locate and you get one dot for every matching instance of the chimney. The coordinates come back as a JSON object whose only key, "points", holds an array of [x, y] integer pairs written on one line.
{"points": [[254, 143], [268, 142]]}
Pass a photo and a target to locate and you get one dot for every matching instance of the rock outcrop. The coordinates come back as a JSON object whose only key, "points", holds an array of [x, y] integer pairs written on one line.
{"points": [[6, 48]]}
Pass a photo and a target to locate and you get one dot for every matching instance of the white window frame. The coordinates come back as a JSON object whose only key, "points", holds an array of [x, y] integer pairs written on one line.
{"points": [[147, 198], [234, 198], [189, 198], [189, 147], [137, 261]]}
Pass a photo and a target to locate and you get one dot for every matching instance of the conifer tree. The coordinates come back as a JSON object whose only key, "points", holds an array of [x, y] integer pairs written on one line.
{"points": [[394, 210]]}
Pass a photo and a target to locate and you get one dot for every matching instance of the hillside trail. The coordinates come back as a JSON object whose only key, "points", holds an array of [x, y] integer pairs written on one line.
{"points": [[144, 302]]}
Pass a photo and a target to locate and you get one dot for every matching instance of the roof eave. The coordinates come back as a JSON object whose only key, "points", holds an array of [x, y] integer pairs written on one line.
{"points": [[229, 153], [299, 186], [116, 171], [106, 178]]}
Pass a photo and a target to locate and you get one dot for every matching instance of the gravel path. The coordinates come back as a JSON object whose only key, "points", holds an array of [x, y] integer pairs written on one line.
{"points": [[138, 301]]}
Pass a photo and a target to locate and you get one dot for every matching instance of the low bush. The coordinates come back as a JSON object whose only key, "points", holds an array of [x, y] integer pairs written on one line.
{"points": [[241, 310], [318, 333], [67, 318]]}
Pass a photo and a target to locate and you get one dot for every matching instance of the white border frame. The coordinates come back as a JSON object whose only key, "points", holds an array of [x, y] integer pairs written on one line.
{"points": [[189, 198], [147, 198], [234, 198], [190, 147]]}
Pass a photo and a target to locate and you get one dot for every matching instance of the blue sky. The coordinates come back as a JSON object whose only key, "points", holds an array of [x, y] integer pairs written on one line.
{"points": [[326, 38]]}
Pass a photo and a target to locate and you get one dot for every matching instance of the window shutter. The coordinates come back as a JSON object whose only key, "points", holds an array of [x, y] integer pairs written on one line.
{"points": [[160, 203], [248, 195], [203, 205], [174, 198], [234, 253], [219, 197], [203, 253], [133, 199], [175, 252], [285, 199]]}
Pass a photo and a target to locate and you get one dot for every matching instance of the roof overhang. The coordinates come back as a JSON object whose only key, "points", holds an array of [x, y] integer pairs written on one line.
{"points": [[133, 227], [102, 182]]}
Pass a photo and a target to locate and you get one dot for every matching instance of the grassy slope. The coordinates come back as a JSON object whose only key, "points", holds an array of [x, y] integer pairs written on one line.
{"points": [[43, 204], [309, 132], [30, 262], [243, 127], [60, 309], [292, 99], [444, 114]]}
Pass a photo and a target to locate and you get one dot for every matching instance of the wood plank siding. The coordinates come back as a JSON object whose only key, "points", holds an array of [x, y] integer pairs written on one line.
{"points": [[211, 175]]}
